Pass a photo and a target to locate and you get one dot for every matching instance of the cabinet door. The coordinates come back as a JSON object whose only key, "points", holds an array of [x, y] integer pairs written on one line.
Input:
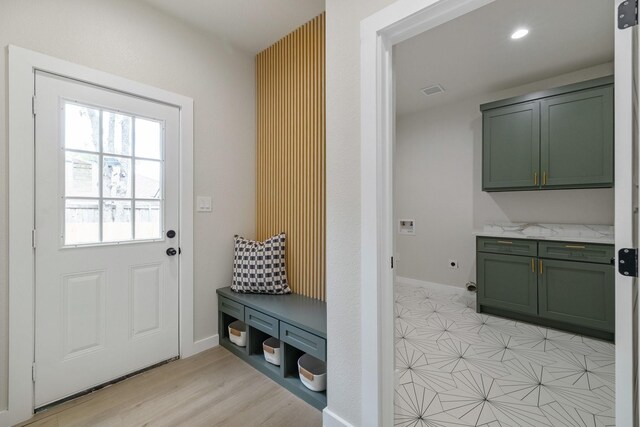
{"points": [[508, 282], [511, 147], [577, 139], [578, 293]]}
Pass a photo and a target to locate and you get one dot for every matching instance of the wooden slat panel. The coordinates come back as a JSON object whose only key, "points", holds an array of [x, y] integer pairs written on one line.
{"points": [[291, 152]]}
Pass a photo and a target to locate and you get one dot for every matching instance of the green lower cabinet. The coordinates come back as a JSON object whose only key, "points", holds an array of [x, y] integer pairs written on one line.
{"points": [[562, 285], [582, 294], [507, 282]]}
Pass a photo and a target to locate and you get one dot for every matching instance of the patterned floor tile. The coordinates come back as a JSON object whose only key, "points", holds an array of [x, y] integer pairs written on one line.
{"points": [[582, 371], [459, 368], [412, 366], [480, 323], [416, 406]]}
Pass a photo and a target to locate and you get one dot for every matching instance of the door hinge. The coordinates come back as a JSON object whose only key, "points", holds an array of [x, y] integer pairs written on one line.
{"points": [[33, 372], [628, 14], [391, 262], [628, 262], [33, 238], [33, 105]]}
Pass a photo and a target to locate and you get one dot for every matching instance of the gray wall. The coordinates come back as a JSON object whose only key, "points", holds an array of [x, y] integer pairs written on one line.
{"points": [[133, 40], [438, 179], [343, 203]]}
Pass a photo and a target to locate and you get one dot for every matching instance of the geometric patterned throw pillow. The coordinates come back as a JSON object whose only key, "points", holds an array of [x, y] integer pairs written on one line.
{"points": [[259, 267]]}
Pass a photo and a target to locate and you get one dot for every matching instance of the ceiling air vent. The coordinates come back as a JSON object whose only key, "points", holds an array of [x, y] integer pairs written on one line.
{"points": [[432, 90]]}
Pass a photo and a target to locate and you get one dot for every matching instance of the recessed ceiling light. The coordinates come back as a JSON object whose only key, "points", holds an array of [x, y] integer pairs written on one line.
{"points": [[519, 33]]}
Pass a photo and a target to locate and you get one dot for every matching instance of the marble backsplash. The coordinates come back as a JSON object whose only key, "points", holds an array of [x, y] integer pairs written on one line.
{"points": [[564, 232]]}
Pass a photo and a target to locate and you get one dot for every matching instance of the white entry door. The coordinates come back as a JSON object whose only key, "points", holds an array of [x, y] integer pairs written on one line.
{"points": [[106, 199]]}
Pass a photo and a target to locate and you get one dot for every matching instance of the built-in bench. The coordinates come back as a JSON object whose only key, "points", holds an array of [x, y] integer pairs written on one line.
{"points": [[299, 322]]}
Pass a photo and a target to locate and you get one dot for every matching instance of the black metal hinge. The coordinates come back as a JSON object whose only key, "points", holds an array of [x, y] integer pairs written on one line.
{"points": [[628, 262], [628, 14]]}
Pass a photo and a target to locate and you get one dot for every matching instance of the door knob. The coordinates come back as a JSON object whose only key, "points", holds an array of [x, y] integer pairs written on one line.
{"points": [[171, 234], [171, 252]]}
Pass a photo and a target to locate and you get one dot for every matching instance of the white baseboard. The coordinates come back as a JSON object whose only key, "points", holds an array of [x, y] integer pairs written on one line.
{"points": [[432, 285], [329, 419], [202, 345]]}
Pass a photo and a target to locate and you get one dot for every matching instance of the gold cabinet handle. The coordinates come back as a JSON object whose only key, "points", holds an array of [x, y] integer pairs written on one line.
{"points": [[544, 178], [533, 265], [540, 266], [505, 242], [575, 246], [535, 178]]}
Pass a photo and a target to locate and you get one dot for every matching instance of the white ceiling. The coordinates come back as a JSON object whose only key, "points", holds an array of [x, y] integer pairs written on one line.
{"points": [[249, 25], [474, 54]]}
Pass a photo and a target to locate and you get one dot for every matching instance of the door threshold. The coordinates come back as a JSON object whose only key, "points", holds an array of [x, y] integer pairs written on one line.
{"points": [[101, 386]]}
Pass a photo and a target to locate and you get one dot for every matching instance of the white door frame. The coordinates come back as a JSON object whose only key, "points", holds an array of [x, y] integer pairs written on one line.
{"points": [[626, 288], [379, 33], [21, 67]]}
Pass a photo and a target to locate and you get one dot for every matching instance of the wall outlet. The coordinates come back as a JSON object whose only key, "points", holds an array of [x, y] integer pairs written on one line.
{"points": [[453, 263], [407, 227]]}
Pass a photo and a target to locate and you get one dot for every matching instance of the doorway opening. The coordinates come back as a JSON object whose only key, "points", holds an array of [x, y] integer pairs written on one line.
{"points": [[380, 33], [503, 160]]}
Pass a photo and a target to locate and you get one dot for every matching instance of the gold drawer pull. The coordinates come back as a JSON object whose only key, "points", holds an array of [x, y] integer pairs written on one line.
{"points": [[533, 266], [540, 267], [505, 242], [535, 178], [575, 246], [544, 178]]}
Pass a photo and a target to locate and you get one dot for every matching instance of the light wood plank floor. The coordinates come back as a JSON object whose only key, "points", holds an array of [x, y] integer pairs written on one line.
{"points": [[213, 388]]}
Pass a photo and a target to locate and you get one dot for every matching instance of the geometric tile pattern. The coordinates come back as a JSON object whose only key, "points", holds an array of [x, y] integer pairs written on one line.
{"points": [[455, 367]]}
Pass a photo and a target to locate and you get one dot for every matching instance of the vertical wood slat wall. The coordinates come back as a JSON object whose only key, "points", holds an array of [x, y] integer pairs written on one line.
{"points": [[291, 152]]}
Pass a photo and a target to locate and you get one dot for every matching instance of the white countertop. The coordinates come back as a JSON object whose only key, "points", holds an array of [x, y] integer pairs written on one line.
{"points": [[603, 234]]}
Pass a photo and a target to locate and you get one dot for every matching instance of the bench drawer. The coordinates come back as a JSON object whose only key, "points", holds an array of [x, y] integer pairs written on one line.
{"points": [[261, 321], [232, 308], [508, 246], [303, 340], [585, 252]]}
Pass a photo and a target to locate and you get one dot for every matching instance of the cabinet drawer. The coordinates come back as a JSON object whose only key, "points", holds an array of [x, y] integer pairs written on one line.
{"points": [[601, 254], [508, 246], [303, 340], [261, 321], [232, 308]]}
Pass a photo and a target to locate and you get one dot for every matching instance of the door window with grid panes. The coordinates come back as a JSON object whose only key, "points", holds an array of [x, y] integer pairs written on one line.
{"points": [[113, 176]]}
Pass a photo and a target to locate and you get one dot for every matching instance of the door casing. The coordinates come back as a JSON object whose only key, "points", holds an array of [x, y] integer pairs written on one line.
{"points": [[22, 65]]}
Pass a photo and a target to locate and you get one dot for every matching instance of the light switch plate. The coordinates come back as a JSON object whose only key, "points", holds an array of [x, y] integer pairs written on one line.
{"points": [[203, 204]]}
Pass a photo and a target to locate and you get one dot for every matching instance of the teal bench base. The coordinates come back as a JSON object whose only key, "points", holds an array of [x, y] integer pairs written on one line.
{"points": [[298, 322]]}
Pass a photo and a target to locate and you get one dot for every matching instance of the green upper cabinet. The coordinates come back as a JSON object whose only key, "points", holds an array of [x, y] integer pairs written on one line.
{"points": [[559, 138], [511, 152], [576, 139]]}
